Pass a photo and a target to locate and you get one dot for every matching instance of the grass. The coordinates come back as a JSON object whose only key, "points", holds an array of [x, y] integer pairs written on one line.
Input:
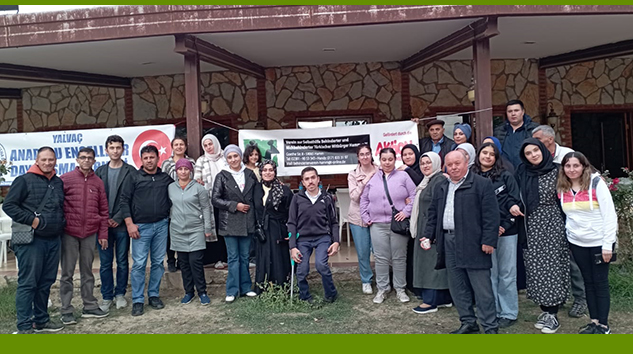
{"points": [[621, 287], [7, 305]]}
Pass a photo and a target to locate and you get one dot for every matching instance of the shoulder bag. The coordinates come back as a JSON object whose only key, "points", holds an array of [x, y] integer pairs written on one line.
{"points": [[399, 227], [22, 234]]}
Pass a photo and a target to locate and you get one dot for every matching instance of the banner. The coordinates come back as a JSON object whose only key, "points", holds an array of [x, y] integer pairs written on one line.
{"points": [[329, 150], [21, 149]]}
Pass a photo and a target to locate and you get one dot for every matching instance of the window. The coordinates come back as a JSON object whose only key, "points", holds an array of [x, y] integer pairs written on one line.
{"points": [[328, 122]]}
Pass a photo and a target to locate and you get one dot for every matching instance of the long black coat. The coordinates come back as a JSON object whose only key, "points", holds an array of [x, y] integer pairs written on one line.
{"points": [[476, 222], [225, 197]]}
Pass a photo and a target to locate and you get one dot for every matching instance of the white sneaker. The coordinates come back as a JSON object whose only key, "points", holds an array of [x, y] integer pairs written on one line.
{"points": [[380, 296], [218, 265], [229, 298], [251, 294], [105, 305], [120, 302], [401, 294], [367, 289]]}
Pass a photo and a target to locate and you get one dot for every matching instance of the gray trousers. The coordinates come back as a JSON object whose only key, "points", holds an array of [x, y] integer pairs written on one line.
{"points": [[74, 248], [390, 249], [463, 283], [577, 282]]}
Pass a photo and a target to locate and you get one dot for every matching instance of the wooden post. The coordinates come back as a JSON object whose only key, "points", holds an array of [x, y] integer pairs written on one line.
{"points": [[192, 104], [483, 89]]}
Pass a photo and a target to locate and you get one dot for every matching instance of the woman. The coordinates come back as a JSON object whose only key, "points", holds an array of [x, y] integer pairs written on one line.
{"points": [[206, 169], [461, 134], [411, 163], [252, 159], [434, 283], [357, 179], [178, 148], [469, 149], [389, 248], [272, 202], [546, 251], [191, 224], [503, 273], [507, 165], [233, 196], [591, 227]]}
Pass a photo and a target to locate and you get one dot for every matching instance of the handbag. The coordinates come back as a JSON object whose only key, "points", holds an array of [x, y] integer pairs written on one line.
{"points": [[399, 227], [259, 232], [22, 234]]}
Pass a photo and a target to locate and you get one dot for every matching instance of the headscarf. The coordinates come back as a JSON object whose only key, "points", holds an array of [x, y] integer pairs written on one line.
{"points": [[436, 163], [528, 174], [497, 143], [470, 150], [465, 128], [232, 148], [276, 188], [414, 170], [217, 149], [214, 163], [183, 162]]}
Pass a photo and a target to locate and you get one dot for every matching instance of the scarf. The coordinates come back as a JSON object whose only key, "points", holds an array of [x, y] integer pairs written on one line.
{"points": [[436, 163], [470, 150], [528, 174], [413, 170], [276, 188]]}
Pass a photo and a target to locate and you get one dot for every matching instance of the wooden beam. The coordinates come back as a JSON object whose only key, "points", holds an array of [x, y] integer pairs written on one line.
{"points": [[192, 104], [9, 93], [36, 74], [210, 53], [589, 54], [453, 43], [483, 89]]}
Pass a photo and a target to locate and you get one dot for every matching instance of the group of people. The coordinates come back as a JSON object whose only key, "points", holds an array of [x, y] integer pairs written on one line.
{"points": [[475, 215]]}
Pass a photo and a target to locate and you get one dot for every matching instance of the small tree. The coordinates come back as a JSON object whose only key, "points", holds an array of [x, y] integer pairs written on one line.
{"points": [[4, 169], [622, 194]]}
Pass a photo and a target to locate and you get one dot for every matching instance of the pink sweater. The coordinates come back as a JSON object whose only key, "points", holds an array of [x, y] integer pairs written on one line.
{"points": [[356, 184]]}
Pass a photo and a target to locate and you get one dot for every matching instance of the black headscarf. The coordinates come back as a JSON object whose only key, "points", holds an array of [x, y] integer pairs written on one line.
{"points": [[276, 189], [414, 170], [528, 174]]}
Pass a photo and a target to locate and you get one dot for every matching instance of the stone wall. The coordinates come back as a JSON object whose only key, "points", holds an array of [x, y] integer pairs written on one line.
{"points": [[8, 116], [72, 105], [336, 87], [446, 84], [163, 97]]}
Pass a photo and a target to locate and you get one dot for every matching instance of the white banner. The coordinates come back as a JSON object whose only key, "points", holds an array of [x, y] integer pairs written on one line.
{"points": [[21, 149], [329, 150]]}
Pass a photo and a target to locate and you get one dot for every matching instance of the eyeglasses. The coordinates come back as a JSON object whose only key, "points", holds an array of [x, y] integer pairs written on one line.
{"points": [[82, 158]]}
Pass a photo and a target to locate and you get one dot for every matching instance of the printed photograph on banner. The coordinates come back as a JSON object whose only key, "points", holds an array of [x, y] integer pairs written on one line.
{"points": [[323, 151], [267, 147]]}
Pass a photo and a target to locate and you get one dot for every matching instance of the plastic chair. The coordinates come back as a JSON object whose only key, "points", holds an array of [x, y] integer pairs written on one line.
{"points": [[343, 200], [5, 235]]}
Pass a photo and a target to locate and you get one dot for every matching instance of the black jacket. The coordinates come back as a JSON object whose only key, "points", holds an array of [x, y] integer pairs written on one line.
{"points": [[507, 191], [312, 220], [225, 197], [426, 145], [476, 222], [511, 141], [145, 197], [102, 172], [25, 196]]}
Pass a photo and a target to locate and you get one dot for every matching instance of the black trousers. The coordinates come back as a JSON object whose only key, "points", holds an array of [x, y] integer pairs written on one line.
{"points": [[596, 277], [192, 271]]}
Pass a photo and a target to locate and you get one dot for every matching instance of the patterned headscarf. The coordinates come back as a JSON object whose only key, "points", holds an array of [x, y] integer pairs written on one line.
{"points": [[276, 189]]}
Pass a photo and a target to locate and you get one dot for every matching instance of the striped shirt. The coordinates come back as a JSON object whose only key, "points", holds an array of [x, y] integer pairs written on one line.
{"points": [[449, 210]]}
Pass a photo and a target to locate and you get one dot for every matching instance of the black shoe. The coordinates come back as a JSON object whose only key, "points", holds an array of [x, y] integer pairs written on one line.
{"points": [[171, 267], [137, 309], [155, 303], [492, 331], [330, 300], [49, 326], [588, 329], [467, 328], [505, 322], [309, 301]]}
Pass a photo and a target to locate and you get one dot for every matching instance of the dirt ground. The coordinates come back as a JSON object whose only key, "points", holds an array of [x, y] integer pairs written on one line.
{"points": [[353, 312]]}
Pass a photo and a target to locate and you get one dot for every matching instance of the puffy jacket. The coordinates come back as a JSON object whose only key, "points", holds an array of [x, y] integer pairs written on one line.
{"points": [[85, 205], [225, 197], [145, 198], [25, 196], [511, 140]]}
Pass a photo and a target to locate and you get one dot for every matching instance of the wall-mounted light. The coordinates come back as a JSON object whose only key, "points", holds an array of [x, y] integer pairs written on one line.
{"points": [[471, 91], [553, 120], [205, 104]]}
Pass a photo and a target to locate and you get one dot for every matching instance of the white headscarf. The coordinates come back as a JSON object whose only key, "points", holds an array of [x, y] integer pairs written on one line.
{"points": [[215, 162], [436, 163], [470, 150]]}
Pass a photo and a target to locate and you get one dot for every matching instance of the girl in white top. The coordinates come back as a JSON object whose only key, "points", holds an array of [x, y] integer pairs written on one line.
{"points": [[591, 227]]}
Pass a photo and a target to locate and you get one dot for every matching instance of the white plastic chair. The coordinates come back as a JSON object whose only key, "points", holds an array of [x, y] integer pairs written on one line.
{"points": [[343, 200], [5, 235]]}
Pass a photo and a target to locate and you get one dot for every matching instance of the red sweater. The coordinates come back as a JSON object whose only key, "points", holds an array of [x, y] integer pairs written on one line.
{"points": [[85, 205]]}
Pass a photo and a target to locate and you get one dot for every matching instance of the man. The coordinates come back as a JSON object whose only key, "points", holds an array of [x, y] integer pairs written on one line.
{"points": [[517, 128], [39, 259], [436, 141], [86, 210], [114, 174], [546, 135], [145, 205], [460, 221], [312, 225]]}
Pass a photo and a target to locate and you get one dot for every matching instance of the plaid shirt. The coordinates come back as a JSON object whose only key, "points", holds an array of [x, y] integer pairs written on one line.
{"points": [[449, 210]]}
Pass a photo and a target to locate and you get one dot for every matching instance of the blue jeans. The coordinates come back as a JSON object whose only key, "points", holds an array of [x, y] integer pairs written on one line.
{"points": [[320, 246], [120, 240], [238, 281], [38, 263], [362, 242], [504, 277], [153, 241]]}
